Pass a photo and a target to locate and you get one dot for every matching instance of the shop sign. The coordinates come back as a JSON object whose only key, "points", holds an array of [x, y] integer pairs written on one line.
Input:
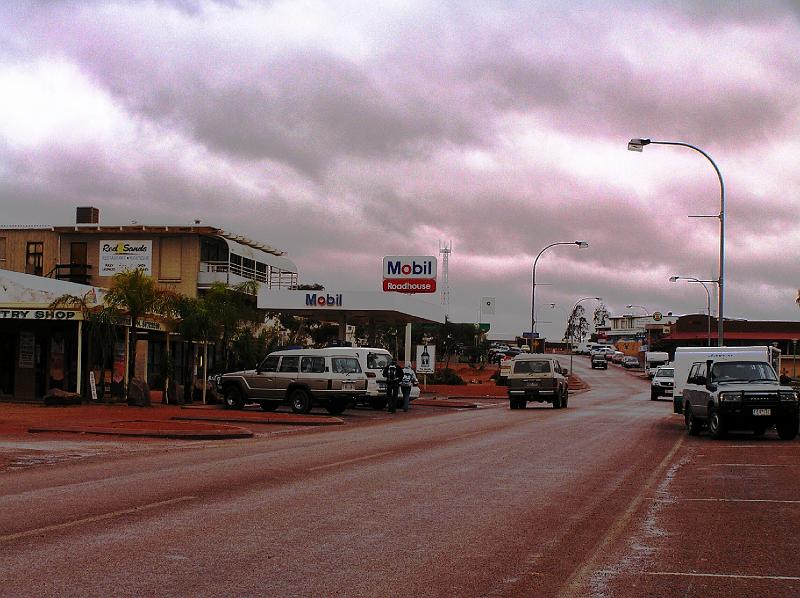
{"points": [[326, 300], [27, 349], [39, 314], [409, 273], [426, 359], [121, 256]]}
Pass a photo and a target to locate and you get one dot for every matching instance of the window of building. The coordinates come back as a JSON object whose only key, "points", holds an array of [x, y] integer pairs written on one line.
{"points": [[2, 249], [34, 258], [261, 272]]}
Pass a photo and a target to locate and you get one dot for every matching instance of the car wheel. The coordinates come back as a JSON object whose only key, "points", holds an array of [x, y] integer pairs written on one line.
{"points": [[377, 404], [300, 401], [269, 405], [759, 430], [716, 424], [565, 398], [653, 395], [512, 403], [233, 398], [336, 406], [557, 402], [787, 428], [692, 423]]}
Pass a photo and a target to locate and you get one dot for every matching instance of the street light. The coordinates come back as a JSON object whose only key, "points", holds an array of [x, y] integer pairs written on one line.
{"points": [[636, 145], [648, 312], [571, 315], [708, 294], [580, 244]]}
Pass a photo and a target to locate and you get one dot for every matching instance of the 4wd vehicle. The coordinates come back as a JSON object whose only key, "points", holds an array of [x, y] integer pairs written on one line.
{"points": [[599, 362], [629, 362], [537, 377], [300, 377], [662, 383], [739, 395]]}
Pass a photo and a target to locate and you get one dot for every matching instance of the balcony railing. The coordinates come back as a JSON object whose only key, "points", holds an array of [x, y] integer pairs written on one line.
{"points": [[72, 272]]}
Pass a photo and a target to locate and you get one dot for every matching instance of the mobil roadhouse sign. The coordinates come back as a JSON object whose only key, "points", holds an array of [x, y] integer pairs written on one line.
{"points": [[409, 273]]}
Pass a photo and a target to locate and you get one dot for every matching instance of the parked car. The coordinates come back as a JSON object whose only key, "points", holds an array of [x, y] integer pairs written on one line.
{"points": [[617, 356], [300, 377], [537, 377], [630, 362], [662, 383], [599, 362]]}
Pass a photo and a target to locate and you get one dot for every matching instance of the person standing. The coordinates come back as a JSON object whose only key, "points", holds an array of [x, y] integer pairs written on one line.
{"points": [[393, 374], [408, 380]]}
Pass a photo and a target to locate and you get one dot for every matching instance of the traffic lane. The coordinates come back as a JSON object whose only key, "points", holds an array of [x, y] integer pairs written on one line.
{"points": [[510, 503], [723, 523]]}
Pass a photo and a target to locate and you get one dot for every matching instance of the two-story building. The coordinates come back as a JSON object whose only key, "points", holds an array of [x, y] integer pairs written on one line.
{"points": [[82, 258]]}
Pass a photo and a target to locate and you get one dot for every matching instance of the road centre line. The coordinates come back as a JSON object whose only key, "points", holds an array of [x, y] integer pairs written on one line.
{"points": [[364, 458], [723, 575], [103, 517]]}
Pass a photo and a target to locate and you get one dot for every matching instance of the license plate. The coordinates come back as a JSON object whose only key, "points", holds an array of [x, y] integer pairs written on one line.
{"points": [[668, 392], [762, 411], [532, 383], [381, 386], [347, 386]]}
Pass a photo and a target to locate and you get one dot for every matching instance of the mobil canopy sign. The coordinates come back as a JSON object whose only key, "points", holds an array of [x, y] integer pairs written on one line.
{"points": [[409, 273]]}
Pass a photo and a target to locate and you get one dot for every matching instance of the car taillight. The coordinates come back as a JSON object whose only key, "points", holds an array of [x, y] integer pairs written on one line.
{"points": [[371, 375]]}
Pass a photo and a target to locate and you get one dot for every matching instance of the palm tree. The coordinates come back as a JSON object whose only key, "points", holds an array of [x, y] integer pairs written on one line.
{"points": [[101, 326], [137, 294], [229, 307], [195, 324]]}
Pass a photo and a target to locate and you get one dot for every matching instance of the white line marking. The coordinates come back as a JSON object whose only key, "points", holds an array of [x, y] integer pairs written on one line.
{"points": [[752, 465], [68, 524], [758, 500], [572, 587], [465, 435], [724, 575], [350, 461]]}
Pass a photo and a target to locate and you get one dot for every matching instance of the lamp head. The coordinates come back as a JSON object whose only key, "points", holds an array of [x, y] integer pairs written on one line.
{"points": [[582, 244], [629, 306], [674, 278], [636, 145]]}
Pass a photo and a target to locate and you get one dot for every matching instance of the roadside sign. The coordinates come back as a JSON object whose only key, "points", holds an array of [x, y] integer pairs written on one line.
{"points": [[530, 335], [426, 359], [657, 316]]}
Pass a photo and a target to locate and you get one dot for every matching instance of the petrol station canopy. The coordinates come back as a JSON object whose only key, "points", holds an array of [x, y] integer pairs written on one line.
{"points": [[352, 307]]}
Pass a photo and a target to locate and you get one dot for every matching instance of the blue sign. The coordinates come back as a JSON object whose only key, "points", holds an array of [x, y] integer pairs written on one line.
{"points": [[530, 335]]}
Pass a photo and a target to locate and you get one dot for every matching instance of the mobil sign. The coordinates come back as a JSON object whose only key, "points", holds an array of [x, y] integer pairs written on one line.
{"points": [[409, 273]]}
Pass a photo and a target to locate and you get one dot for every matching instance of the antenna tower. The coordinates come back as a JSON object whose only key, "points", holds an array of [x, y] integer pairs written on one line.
{"points": [[445, 251]]}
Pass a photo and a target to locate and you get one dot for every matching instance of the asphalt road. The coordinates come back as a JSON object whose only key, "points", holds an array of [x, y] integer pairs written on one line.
{"points": [[606, 498]]}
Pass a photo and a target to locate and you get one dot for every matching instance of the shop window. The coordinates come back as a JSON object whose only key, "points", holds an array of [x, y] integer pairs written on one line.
{"points": [[34, 258]]}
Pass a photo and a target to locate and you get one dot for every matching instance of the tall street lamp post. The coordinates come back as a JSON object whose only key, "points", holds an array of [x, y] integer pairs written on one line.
{"points": [[646, 311], [636, 145], [571, 316], [580, 244], [708, 294]]}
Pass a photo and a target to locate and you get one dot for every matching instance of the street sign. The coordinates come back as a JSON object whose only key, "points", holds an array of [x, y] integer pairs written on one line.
{"points": [[657, 316], [530, 335], [484, 327]]}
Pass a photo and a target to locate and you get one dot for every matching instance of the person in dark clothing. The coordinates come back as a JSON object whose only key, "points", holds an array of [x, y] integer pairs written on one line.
{"points": [[393, 374]]}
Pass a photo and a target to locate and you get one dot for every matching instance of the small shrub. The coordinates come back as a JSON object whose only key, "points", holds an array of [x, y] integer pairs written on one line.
{"points": [[446, 376]]}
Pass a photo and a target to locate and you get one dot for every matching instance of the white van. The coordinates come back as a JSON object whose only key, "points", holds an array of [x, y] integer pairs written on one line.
{"points": [[654, 360], [686, 356]]}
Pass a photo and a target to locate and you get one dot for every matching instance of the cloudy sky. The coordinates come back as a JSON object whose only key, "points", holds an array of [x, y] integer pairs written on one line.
{"points": [[345, 131]]}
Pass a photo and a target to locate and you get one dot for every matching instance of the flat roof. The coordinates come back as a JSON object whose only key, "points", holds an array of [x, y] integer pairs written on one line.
{"points": [[355, 307]]}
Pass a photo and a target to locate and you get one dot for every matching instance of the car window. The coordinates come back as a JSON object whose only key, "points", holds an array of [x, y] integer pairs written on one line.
{"points": [[377, 361], [312, 365], [665, 373], [270, 364], [289, 363], [742, 371], [532, 367], [345, 365]]}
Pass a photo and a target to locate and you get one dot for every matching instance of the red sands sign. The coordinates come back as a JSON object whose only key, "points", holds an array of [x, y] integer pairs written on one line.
{"points": [[410, 285]]}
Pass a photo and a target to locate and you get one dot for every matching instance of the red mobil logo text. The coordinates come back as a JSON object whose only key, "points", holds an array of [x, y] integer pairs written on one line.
{"points": [[410, 285]]}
